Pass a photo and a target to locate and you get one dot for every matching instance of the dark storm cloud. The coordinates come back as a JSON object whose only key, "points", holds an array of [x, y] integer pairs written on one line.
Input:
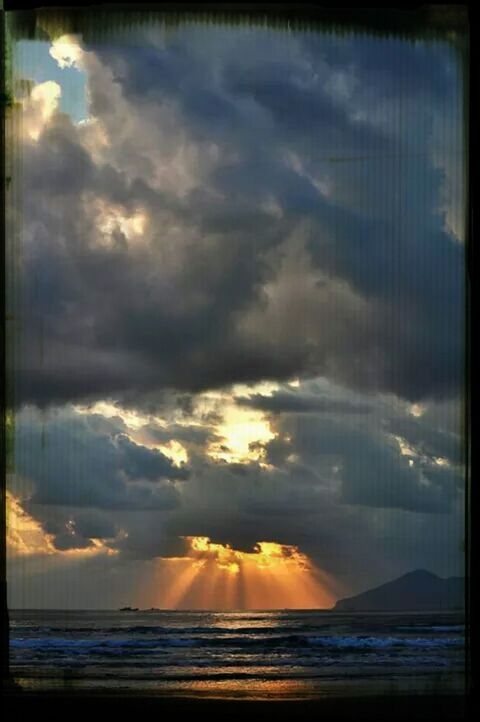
{"points": [[72, 464], [419, 70], [82, 523], [94, 524], [285, 402], [295, 190], [188, 309], [336, 517], [138, 462], [332, 488], [73, 527], [371, 469], [451, 481], [178, 432], [427, 439], [70, 540]]}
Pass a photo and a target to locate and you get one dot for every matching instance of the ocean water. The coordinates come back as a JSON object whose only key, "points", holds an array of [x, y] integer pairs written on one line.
{"points": [[264, 654]]}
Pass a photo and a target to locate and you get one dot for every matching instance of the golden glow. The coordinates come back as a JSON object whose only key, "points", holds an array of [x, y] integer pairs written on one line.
{"points": [[265, 388], [417, 410], [217, 576], [181, 582], [135, 421], [112, 219], [25, 535], [67, 52], [225, 557], [405, 449], [175, 451], [132, 419], [265, 689], [441, 461], [243, 432]]}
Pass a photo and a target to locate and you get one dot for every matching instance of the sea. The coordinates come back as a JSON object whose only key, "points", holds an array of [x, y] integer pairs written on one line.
{"points": [[278, 654]]}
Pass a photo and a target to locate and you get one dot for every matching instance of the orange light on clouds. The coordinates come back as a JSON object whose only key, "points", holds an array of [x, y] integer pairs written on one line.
{"points": [[26, 536], [217, 576], [208, 576]]}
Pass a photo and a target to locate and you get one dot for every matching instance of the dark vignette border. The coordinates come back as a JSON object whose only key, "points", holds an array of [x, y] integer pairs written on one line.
{"points": [[97, 21]]}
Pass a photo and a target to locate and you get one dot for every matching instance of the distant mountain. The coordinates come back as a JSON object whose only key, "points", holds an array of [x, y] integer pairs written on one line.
{"points": [[416, 591]]}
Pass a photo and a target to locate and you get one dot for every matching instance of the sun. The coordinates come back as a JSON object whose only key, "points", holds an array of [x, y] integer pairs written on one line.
{"points": [[243, 433]]}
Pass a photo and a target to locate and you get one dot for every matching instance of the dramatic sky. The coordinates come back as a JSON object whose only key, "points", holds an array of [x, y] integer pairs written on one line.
{"points": [[237, 318]]}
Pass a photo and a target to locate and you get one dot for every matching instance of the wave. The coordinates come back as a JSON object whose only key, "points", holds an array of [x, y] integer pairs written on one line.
{"points": [[435, 628], [385, 642], [144, 630], [272, 661], [100, 645]]}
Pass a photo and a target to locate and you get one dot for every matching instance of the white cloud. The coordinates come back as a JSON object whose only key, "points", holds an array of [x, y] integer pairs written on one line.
{"points": [[39, 108], [67, 51]]}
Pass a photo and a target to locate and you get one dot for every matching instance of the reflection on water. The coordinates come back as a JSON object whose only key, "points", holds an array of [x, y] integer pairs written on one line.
{"points": [[254, 655], [265, 689]]}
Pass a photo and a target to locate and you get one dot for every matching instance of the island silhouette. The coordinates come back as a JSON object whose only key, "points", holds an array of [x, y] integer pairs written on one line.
{"points": [[419, 590]]}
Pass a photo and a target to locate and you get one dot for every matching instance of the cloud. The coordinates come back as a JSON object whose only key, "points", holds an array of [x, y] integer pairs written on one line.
{"points": [[70, 462], [201, 212], [232, 212], [67, 51], [290, 402], [39, 108], [429, 440], [368, 464], [138, 462], [45, 533], [327, 483]]}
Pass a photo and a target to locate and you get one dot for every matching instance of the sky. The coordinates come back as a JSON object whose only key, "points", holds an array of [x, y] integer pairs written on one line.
{"points": [[239, 303]]}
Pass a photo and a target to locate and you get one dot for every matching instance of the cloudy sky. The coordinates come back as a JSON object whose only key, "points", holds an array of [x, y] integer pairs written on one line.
{"points": [[238, 306]]}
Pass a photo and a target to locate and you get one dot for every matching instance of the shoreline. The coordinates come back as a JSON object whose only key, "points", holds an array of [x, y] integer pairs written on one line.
{"points": [[236, 688]]}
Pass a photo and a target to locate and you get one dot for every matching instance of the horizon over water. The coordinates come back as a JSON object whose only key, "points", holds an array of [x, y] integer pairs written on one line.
{"points": [[253, 654]]}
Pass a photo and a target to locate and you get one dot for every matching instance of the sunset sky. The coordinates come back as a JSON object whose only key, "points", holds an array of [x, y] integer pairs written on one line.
{"points": [[238, 310]]}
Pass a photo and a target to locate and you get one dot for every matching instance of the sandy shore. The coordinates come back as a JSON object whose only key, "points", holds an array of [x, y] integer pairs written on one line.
{"points": [[396, 707]]}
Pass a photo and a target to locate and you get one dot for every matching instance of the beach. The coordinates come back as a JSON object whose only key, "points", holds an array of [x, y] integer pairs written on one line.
{"points": [[287, 656]]}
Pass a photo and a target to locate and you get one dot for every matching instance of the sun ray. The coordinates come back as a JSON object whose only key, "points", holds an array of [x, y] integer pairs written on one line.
{"points": [[272, 575], [181, 585]]}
